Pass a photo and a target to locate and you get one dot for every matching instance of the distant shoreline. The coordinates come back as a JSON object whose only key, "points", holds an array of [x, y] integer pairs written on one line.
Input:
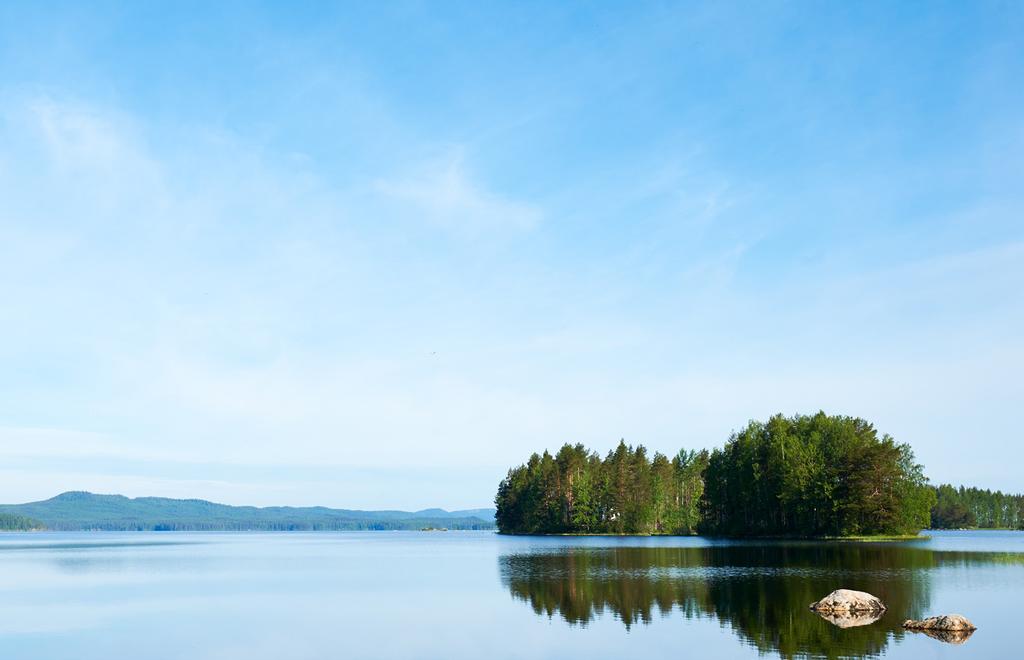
{"points": [[79, 511]]}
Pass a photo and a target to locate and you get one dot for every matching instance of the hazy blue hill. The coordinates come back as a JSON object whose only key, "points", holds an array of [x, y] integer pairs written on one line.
{"points": [[485, 514], [81, 511]]}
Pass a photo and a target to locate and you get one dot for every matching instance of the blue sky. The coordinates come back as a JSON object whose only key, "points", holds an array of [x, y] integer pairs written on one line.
{"points": [[372, 254]]}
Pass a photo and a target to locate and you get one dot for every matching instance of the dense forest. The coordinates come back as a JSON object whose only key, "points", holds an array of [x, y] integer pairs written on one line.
{"points": [[88, 511], [958, 508], [815, 475], [807, 475], [12, 522], [626, 492]]}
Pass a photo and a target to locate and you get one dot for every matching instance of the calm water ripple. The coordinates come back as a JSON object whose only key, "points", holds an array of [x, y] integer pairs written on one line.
{"points": [[467, 595]]}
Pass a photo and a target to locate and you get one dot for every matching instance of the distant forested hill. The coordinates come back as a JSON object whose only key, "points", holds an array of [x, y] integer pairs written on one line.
{"points": [[87, 511]]}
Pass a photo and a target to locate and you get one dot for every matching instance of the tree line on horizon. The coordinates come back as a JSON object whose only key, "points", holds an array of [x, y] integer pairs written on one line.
{"points": [[10, 522], [964, 508], [806, 475]]}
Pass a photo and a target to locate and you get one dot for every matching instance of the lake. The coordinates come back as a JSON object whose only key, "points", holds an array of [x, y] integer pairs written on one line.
{"points": [[479, 595]]}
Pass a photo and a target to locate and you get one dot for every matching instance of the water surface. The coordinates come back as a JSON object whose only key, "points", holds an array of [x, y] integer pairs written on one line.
{"points": [[476, 594]]}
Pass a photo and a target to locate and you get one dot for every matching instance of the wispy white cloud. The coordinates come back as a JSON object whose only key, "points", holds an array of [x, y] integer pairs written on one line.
{"points": [[81, 156], [445, 194]]}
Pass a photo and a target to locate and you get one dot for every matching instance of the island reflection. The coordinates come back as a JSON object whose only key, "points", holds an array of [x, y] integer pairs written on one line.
{"points": [[762, 591]]}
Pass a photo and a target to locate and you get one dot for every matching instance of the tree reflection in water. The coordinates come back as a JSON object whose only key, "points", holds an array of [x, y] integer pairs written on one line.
{"points": [[762, 591]]}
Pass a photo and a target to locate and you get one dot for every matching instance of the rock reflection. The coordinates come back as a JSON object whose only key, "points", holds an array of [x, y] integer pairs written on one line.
{"points": [[851, 619], [948, 636], [760, 590]]}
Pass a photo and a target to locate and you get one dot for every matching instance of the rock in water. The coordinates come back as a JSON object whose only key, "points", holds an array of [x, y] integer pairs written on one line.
{"points": [[945, 622], [847, 600], [951, 628]]}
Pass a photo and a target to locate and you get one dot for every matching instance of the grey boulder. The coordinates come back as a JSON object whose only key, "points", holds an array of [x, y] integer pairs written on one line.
{"points": [[955, 622], [847, 600], [950, 628]]}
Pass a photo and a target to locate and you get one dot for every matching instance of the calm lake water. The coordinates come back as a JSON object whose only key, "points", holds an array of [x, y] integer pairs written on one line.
{"points": [[479, 595]]}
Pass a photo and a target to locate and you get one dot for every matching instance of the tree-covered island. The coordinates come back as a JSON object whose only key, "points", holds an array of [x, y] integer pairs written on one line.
{"points": [[807, 475]]}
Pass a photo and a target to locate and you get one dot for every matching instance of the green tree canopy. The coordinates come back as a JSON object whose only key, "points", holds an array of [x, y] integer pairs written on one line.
{"points": [[576, 491], [814, 475], [806, 475], [957, 508]]}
